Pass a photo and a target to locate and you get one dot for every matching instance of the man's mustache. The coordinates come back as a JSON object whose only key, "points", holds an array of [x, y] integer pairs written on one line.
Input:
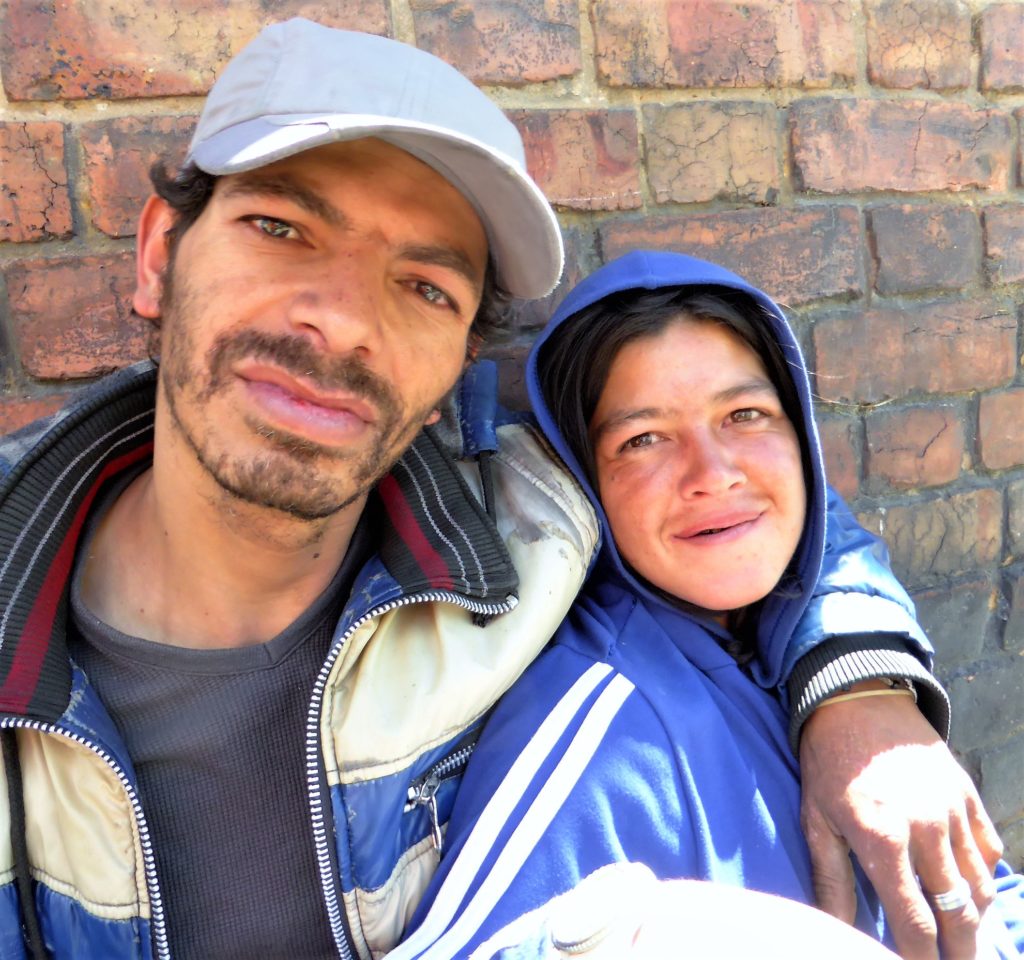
{"points": [[297, 356]]}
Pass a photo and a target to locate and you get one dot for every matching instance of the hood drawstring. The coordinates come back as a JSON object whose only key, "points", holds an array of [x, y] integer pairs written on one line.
{"points": [[22, 869]]}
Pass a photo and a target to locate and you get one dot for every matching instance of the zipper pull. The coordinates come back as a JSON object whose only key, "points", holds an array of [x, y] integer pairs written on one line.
{"points": [[426, 796]]}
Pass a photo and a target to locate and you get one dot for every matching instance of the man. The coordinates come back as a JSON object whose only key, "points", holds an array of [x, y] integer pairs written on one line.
{"points": [[256, 600]]}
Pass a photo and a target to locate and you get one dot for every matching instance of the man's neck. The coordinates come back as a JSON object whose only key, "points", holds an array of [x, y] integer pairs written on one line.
{"points": [[188, 564]]}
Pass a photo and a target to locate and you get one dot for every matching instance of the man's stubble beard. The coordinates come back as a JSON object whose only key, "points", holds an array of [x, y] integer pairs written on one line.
{"points": [[290, 476]]}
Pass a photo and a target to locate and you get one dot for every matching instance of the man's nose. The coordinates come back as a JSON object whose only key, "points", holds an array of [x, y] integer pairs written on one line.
{"points": [[708, 466], [340, 308]]}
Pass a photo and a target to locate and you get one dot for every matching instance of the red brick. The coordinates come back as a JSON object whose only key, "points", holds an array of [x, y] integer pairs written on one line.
{"points": [[511, 42], [840, 443], [921, 248], [1004, 243], [1001, 429], [916, 447], [18, 411], [890, 352], [919, 43], [709, 151], [120, 48], [796, 255], [72, 318], [904, 146], [1002, 47], [720, 43], [118, 155], [938, 538], [583, 159], [34, 199]]}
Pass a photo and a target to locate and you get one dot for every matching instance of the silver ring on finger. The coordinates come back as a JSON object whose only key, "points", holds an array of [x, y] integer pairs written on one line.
{"points": [[955, 899]]}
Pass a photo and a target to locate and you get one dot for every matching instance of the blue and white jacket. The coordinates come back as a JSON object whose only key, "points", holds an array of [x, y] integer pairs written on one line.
{"points": [[407, 681], [636, 737]]}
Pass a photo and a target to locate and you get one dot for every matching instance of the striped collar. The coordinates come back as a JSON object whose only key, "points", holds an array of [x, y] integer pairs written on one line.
{"points": [[434, 534]]}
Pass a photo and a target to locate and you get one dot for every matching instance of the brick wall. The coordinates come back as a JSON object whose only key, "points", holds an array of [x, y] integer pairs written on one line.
{"points": [[859, 160]]}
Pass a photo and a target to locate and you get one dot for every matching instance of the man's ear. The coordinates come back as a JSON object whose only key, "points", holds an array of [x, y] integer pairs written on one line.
{"points": [[151, 256], [432, 417]]}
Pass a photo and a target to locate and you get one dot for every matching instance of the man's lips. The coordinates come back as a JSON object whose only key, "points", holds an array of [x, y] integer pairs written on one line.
{"points": [[279, 387]]}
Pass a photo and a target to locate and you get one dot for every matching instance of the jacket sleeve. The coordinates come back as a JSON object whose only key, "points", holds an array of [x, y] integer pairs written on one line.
{"points": [[859, 624], [554, 791]]}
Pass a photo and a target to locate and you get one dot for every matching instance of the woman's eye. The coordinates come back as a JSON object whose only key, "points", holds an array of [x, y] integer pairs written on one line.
{"points": [[640, 440], [278, 229], [433, 294], [747, 415]]}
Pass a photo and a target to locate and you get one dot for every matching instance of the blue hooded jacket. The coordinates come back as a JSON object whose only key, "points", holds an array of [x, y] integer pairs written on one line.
{"points": [[636, 736]]}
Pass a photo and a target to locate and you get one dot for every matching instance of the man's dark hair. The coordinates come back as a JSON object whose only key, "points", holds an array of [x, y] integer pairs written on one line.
{"points": [[189, 190]]}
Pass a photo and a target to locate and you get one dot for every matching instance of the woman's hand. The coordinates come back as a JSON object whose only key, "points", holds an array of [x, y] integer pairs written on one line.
{"points": [[878, 781]]}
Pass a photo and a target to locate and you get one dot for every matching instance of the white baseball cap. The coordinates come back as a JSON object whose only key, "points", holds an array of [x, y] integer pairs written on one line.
{"points": [[299, 85]]}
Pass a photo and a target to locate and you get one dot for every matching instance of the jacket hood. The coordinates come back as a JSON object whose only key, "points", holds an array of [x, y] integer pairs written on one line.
{"points": [[645, 270]]}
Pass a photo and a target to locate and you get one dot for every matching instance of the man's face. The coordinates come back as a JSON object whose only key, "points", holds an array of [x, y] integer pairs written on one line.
{"points": [[317, 312]]}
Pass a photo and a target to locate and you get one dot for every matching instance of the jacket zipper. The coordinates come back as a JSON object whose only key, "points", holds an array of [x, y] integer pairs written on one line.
{"points": [[318, 803], [423, 790], [159, 929]]}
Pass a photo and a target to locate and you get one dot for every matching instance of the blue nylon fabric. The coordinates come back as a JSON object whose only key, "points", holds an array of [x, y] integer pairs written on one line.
{"points": [[71, 931]]}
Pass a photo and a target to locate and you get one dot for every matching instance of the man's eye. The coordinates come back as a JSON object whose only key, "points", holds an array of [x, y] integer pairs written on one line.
{"points": [[433, 294], [278, 229]]}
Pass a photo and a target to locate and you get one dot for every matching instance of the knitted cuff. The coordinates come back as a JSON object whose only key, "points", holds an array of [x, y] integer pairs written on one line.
{"points": [[842, 661]]}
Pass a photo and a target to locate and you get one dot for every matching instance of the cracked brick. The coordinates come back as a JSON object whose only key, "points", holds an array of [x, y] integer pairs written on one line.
{"points": [[919, 43], [1002, 47], [886, 353], [512, 42], [120, 48], [34, 199], [718, 43], [118, 154], [1004, 243], [583, 159], [920, 248], [706, 151], [797, 255], [914, 448], [72, 317], [1001, 429], [943, 537], [903, 146]]}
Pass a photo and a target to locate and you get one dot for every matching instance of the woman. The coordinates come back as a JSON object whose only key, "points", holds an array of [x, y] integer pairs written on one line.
{"points": [[648, 731]]}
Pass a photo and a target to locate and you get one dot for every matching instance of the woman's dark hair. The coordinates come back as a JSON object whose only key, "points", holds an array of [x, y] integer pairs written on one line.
{"points": [[188, 192], [574, 363]]}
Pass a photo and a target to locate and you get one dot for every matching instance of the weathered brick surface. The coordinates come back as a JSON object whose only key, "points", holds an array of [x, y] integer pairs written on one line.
{"points": [[905, 145], [583, 159], [987, 704], [922, 248], [1015, 514], [502, 41], [840, 444], [72, 318], [1012, 835], [895, 351], [120, 48], [16, 412], [1002, 47], [795, 255], [956, 620], [1001, 429], [118, 154], [915, 447], [708, 151], [1004, 243], [940, 538], [1013, 635], [34, 200], [919, 43], [715, 43], [1001, 787]]}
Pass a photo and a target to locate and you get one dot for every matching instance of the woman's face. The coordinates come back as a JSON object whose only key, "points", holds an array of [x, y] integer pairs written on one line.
{"points": [[698, 467]]}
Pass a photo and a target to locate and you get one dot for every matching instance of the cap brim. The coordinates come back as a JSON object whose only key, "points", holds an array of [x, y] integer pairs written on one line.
{"points": [[521, 227]]}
